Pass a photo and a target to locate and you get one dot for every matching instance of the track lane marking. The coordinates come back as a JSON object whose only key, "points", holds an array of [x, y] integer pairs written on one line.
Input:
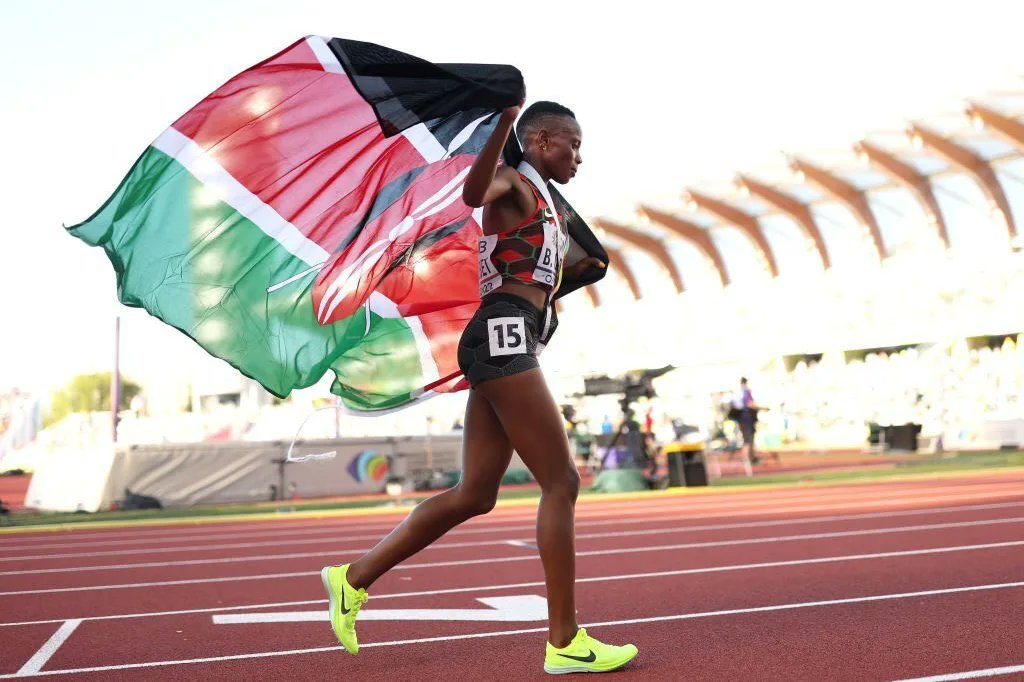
{"points": [[583, 524], [602, 578], [513, 513], [506, 633], [969, 674], [46, 652], [956, 479], [528, 543]]}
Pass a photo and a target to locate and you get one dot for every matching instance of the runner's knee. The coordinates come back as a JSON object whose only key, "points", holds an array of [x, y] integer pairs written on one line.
{"points": [[476, 503], [566, 484]]}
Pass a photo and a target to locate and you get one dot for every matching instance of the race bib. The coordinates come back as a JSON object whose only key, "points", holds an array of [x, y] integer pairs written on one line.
{"points": [[489, 277], [506, 336]]}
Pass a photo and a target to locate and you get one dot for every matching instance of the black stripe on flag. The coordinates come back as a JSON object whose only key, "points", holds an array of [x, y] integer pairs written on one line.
{"points": [[405, 90], [445, 131]]}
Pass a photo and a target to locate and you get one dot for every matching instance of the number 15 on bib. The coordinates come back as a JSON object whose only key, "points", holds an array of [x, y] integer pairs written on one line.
{"points": [[506, 335]]}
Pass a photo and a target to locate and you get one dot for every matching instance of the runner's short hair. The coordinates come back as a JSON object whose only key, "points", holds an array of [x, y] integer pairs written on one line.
{"points": [[539, 115]]}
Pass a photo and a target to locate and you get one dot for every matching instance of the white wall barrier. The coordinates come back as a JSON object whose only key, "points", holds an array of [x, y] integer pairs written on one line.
{"points": [[187, 474]]}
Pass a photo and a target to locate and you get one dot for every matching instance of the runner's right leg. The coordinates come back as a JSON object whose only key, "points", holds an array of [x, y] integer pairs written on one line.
{"points": [[536, 429]]}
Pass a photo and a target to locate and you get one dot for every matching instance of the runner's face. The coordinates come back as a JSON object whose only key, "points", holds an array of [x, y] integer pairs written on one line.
{"points": [[560, 150]]}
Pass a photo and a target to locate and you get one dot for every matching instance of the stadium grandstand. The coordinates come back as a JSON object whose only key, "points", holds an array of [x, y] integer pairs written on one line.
{"points": [[876, 285], [879, 284]]}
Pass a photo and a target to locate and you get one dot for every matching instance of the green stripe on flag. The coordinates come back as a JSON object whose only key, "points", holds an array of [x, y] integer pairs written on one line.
{"points": [[196, 263], [384, 371]]}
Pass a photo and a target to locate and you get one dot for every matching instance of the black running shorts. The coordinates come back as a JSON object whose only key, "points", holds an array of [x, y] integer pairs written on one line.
{"points": [[504, 338]]}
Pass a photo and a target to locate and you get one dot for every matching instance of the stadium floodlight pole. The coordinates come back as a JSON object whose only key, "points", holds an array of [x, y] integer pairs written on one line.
{"points": [[905, 174], [795, 209], [972, 164], [741, 219], [115, 380]]}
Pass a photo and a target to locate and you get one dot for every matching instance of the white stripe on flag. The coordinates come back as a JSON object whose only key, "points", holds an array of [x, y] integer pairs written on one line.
{"points": [[425, 142], [446, 196], [205, 168], [465, 134], [324, 53], [346, 281], [430, 371], [385, 307]]}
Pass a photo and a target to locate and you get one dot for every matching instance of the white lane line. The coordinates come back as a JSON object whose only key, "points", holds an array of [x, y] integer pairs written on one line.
{"points": [[530, 557], [285, 533], [152, 534], [529, 544], [477, 531], [329, 525], [969, 674], [504, 609], [525, 514], [511, 586], [687, 504], [39, 659], [506, 633]]}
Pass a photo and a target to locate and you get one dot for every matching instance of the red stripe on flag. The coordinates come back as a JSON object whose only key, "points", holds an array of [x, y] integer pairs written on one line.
{"points": [[339, 291], [301, 139], [444, 329], [441, 288]]}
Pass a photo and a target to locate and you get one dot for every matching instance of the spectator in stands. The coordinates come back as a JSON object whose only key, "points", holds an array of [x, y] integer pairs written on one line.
{"points": [[744, 413], [581, 439]]}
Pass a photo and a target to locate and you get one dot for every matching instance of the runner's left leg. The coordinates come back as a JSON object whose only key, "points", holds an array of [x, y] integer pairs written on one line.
{"points": [[485, 456]]}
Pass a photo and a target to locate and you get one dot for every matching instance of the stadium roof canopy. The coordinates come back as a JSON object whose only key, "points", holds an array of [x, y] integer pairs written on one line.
{"points": [[949, 182]]}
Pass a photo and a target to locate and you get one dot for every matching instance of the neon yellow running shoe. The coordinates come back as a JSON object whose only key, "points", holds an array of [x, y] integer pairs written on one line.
{"points": [[584, 654], [345, 603]]}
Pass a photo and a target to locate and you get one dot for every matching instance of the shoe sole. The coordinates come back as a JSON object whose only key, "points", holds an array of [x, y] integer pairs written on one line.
{"points": [[569, 669]]}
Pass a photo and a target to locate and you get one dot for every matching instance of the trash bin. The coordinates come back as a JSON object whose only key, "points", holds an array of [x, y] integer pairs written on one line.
{"points": [[904, 437], [686, 464], [895, 436]]}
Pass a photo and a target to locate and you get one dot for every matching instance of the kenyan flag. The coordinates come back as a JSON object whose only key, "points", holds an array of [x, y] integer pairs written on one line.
{"points": [[308, 216]]}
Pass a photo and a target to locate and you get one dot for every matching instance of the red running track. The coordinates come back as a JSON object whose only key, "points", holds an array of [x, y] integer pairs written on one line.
{"points": [[885, 581]]}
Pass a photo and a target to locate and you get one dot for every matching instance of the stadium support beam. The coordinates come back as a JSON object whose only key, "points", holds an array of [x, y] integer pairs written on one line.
{"points": [[1010, 129], [847, 194], [741, 219], [970, 163], [591, 291], [693, 233], [645, 242], [915, 182], [618, 262], [796, 210]]}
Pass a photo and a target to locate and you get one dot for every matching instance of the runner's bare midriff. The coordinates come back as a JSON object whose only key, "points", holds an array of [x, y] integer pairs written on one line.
{"points": [[534, 295]]}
